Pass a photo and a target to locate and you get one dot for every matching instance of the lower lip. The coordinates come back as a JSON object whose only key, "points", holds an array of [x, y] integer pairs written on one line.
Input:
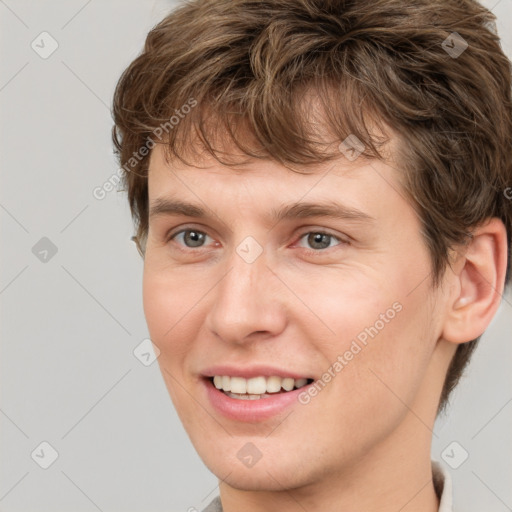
{"points": [[250, 411]]}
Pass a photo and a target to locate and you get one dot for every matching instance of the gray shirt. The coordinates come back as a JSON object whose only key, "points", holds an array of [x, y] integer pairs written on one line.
{"points": [[442, 486]]}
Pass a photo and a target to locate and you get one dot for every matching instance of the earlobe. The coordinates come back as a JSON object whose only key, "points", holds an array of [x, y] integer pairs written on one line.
{"points": [[480, 280]]}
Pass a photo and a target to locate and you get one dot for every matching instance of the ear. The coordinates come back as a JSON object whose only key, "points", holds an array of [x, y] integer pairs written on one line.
{"points": [[478, 283]]}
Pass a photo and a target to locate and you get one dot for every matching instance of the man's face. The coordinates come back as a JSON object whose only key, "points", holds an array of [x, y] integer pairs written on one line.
{"points": [[240, 291]]}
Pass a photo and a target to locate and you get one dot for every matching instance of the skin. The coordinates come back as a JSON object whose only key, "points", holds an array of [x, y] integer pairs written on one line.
{"points": [[363, 443]]}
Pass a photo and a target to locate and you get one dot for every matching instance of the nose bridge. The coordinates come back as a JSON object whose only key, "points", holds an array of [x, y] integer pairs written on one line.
{"points": [[242, 304], [241, 283]]}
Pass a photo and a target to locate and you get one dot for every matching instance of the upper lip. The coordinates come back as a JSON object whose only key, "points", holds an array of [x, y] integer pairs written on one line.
{"points": [[248, 372]]}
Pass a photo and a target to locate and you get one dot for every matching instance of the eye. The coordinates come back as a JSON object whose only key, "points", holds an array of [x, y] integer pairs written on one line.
{"points": [[190, 238], [319, 240]]}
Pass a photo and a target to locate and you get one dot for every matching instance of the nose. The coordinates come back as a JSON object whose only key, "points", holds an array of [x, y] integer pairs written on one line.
{"points": [[246, 303]]}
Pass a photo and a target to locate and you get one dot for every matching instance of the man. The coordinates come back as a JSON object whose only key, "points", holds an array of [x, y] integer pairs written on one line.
{"points": [[318, 189]]}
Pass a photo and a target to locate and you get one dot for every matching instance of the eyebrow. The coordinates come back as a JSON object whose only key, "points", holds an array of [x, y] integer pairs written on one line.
{"points": [[163, 206]]}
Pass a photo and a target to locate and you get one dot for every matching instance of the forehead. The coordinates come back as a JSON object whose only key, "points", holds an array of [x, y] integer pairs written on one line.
{"points": [[206, 169], [357, 192]]}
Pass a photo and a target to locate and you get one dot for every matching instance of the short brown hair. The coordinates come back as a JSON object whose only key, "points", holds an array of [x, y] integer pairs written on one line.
{"points": [[246, 64]]}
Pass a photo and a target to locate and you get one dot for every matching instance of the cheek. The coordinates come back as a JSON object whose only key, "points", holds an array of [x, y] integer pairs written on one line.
{"points": [[337, 306], [393, 364], [172, 316], [159, 302], [169, 306], [381, 330]]}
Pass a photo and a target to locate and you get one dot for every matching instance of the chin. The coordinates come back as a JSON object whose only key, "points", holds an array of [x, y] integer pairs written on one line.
{"points": [[260, 478], [272, 472]]}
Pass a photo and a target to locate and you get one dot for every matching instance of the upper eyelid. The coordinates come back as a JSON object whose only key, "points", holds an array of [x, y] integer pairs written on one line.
{"points": [[341, 240], [319, 230], [171, 232]]}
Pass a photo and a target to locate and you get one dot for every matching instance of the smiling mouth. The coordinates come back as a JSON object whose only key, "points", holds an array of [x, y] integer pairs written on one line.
{"points": [[256, 388]]}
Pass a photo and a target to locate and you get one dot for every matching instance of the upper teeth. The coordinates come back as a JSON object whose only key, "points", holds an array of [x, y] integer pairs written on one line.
{"points": [[256, 385]]}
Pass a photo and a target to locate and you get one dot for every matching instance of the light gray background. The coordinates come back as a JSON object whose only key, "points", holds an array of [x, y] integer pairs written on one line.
{"points": [[69, 325]]}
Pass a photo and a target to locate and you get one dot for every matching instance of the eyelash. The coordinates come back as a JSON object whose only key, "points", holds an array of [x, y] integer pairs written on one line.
{"points": [[310, 251]]}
